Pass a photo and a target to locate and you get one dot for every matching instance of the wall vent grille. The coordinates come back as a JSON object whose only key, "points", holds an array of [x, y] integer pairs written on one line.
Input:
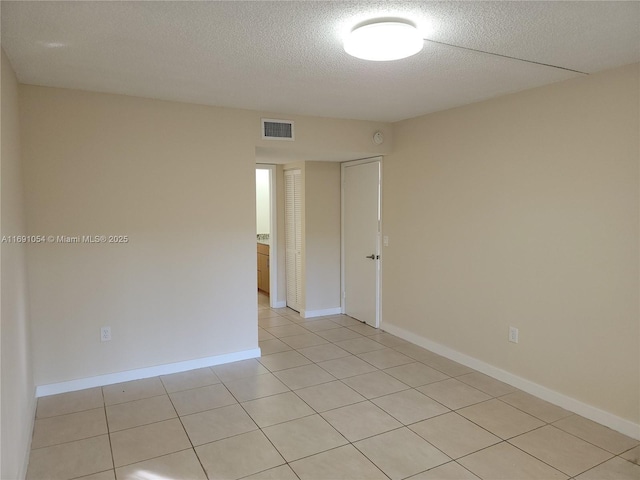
{"points": [[277, 129]]}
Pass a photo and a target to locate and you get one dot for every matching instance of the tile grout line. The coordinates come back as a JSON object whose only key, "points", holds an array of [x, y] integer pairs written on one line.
{"points": [[160, 421], [106, 419], [143, 424], [152, 458], [263, 434], [365, 400], [571, 434], [369, 400], [193, 448], [539, 459], [502, 440], [321, 416]]}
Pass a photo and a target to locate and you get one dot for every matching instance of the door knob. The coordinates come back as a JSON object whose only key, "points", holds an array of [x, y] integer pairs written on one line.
{"points": [[372, 256]]}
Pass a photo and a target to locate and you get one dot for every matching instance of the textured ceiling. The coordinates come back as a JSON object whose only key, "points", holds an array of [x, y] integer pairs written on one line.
{"points": [[287, 57]]}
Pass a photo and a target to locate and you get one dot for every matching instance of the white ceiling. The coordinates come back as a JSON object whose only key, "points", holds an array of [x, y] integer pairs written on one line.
{"points": [[287, 57]]}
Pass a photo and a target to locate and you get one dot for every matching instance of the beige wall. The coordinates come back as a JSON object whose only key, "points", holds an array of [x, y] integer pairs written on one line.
{"points": [[523, 211], [17, 387], [322, 236], [179, 180]]}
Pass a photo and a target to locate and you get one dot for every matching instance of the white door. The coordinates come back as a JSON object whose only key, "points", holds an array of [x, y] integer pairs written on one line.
{"points": [[293, 237], [361, 237]]}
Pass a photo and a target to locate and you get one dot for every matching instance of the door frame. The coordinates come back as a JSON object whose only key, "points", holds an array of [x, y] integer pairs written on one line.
{"points": [[273, 235], [343, 166]]}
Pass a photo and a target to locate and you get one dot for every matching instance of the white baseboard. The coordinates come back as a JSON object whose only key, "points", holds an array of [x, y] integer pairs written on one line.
{"points": [[320, 313], [610, 420], [111, 378], [280, 304]]}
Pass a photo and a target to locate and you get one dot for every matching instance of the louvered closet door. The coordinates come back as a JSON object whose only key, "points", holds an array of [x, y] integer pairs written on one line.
{"points": [[293, 237]]}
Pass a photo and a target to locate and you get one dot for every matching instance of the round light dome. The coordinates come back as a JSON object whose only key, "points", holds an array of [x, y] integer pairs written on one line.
{"points": [[385, 40]]}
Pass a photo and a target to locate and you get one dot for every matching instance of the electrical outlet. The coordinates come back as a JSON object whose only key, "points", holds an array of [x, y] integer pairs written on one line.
{"points": [[513, 334], [105, 334]]}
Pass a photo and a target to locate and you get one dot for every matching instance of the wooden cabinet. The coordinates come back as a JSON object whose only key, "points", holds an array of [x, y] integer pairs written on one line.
{"points": [[263, 267]]}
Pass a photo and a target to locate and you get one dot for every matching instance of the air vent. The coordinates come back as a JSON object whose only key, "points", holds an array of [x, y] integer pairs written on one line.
{"points": [[277, 129]]}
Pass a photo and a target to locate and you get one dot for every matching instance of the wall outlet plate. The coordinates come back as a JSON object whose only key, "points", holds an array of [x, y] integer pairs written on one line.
{"points": [[105, 334], [513, 334]]}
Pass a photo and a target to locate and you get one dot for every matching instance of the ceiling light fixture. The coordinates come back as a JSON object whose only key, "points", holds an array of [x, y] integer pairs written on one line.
{"points": [[382, 40]]}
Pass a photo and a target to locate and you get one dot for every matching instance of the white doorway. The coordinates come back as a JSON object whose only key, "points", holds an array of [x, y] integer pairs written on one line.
{"points": [[266, 223], [361, 227]]}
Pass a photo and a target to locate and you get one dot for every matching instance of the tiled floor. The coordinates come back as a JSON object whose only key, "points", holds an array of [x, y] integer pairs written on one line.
{"points": [[331, 398]]}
